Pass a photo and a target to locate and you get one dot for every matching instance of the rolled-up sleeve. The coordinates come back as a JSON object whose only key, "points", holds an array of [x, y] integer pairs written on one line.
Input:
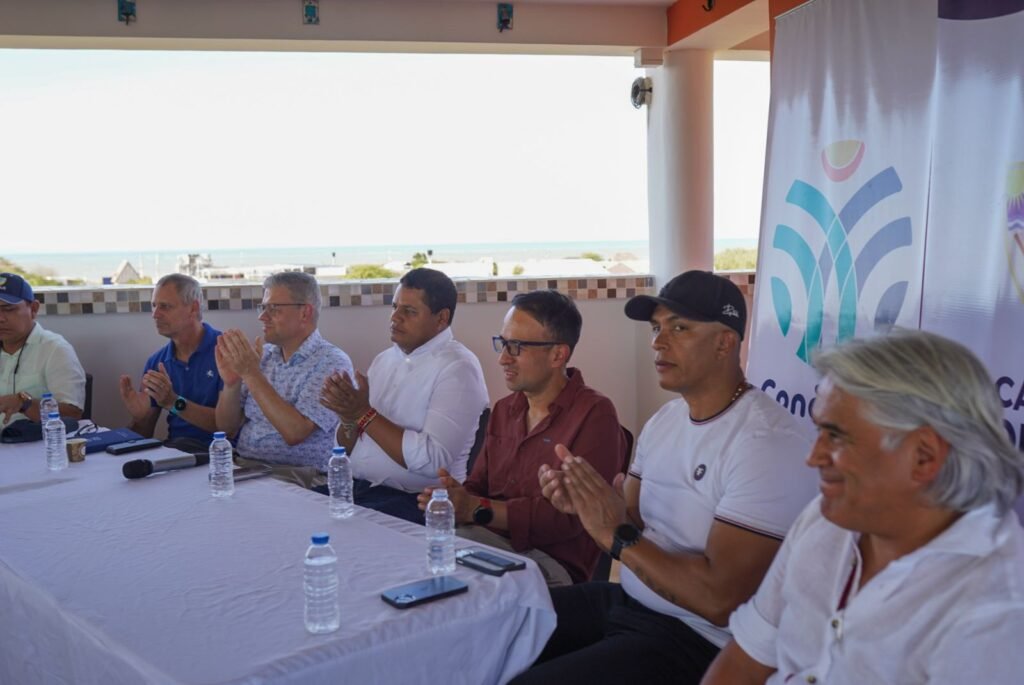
{"points": [[755, 624], [450, 425]]}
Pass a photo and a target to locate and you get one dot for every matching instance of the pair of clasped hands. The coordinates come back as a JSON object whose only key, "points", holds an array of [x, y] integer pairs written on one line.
{"points": [[573, 487]]}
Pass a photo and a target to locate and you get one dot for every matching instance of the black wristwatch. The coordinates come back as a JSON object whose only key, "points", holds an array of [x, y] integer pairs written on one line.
{"points": [[625, 536], [179, 405], [26, 402], [483, 514]]}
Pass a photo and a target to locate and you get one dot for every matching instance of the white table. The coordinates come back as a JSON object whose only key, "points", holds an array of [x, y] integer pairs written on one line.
{"points": [[105, 580]]}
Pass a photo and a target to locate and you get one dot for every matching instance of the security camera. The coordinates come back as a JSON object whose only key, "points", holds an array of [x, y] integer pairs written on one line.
{"points": [[640, 92]]}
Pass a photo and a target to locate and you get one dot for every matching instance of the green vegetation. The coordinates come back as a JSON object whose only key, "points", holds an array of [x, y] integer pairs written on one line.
{"points": [[33, 278], [357, 271], [518, 270], [736, 259], [592, 255], [421, 259]]}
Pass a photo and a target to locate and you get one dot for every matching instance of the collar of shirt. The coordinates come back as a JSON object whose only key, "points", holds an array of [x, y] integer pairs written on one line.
{"points": [[208, 341], [308, 347], [977, 533], [564, 400], [428, 348]]}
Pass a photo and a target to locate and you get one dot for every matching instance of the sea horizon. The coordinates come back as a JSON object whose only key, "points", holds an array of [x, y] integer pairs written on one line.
{"points": [[92, 267]]}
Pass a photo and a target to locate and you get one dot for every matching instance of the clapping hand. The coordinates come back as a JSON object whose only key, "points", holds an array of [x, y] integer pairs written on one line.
{"points": [[344, 398]]}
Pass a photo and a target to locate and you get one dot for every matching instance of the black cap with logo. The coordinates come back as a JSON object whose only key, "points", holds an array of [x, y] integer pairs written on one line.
{"points": [[698, 296]]}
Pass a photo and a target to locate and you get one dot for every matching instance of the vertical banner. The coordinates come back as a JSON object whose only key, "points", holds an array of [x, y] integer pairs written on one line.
{"points": [[846, 185], [974, 270]]}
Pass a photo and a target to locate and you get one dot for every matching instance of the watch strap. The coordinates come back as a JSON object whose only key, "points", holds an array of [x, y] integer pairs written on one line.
{"points": [[625, 536], [26, 402], [178, 405]]}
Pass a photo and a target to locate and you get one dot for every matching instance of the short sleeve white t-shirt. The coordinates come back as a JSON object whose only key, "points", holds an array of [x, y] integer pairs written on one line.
{"points": [[744, 467]]}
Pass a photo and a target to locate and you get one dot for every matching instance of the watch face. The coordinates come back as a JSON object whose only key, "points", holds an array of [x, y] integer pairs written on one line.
{"points": [[628, 534], [483, 515], [179, 404]]}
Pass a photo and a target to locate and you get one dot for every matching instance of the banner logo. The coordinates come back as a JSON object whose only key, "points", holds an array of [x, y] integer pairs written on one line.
{"points": [[836, 259], [1015, 224]]}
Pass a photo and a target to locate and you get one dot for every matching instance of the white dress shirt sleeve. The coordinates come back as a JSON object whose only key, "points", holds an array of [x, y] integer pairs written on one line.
{"points": [[755, 624], [65, 377], [455, 404]]}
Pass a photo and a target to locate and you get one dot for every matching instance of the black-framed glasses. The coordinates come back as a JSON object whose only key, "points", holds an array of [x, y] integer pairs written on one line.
{"points": [[514, 347], [274, 308]]}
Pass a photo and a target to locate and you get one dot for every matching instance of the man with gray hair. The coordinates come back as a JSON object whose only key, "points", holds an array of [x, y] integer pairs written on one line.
{"points": [[180, 377], [271, 395], [909, 567]]}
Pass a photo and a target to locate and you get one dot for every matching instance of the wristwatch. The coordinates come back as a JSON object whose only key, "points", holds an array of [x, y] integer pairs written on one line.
{"points": [[26, 402], [178, 406], [625, 536], [483, 514]]}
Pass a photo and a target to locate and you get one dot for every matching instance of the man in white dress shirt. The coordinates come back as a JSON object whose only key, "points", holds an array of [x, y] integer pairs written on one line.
{"points": [[418, 407], [909, 568]]}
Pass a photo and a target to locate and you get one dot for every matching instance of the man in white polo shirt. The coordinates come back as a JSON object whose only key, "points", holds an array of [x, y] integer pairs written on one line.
{"points": [[33, 360], [909, 568], [716, 482], [418, 408]]}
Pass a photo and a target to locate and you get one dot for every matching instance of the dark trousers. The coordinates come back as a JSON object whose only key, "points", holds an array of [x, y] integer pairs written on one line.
{"points": [[606, 636], [387, 500]]}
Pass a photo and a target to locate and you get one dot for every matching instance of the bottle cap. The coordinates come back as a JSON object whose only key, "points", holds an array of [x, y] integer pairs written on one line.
{"points": [[320, 538], [339, 451], [47, 395], [439, 493], [53, 415], [220, 435]]}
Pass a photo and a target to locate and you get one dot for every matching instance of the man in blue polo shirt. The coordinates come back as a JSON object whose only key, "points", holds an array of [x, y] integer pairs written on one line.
{"points": [[182, 376]]}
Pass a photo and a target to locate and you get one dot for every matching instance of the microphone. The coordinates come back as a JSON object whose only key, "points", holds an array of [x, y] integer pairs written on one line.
{"points": [[140, 468]]}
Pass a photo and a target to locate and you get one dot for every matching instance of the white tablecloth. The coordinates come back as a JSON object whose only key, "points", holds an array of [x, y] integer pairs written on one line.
{"points": [[105, 580]]}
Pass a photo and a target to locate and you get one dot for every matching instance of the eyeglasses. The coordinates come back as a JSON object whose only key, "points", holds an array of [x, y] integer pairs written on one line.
{"points": [[514, 347], [274, 308]]}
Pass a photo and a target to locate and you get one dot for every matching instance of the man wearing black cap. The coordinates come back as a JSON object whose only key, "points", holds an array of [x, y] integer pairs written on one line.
{"points": [[32, 359], [717, 480]]}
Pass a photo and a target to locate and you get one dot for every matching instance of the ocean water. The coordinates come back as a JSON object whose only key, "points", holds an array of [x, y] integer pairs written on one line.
{"points": [[93, 266]]}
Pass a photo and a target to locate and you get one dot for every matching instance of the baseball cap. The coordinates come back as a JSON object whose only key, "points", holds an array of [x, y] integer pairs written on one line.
{"points": [[696, 295], [15, 289]]}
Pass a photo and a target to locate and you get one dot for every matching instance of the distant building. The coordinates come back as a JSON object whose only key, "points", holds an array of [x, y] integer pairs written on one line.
{"points": [[125, 274]]}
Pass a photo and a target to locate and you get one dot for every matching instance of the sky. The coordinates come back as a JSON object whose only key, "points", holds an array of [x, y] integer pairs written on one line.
{"points": [[152, 150]]}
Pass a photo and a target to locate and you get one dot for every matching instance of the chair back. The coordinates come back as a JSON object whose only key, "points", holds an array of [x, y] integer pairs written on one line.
{"points": [[478, 441], [87, 409]]}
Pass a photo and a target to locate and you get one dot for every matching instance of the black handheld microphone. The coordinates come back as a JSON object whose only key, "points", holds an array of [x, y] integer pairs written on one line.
{"points": [[140, 468]]}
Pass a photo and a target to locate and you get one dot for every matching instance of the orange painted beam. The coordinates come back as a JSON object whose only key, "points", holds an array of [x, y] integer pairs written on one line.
{"points": [[686, 17]]}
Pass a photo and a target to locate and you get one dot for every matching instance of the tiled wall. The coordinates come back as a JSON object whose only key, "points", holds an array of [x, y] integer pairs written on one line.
{"points": [[135, 299], [132, 299]]}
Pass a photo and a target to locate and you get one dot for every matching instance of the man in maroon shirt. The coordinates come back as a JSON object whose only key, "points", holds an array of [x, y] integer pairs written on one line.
{"points": [[501, 503]]}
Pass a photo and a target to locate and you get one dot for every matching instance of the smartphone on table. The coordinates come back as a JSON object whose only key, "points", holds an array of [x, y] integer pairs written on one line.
{"points": [[488, 562], [423, 591]]}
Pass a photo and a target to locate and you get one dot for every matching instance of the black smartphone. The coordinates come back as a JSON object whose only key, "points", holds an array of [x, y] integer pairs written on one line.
{"points": [[134, 446], [487, 562], [423, 591]]}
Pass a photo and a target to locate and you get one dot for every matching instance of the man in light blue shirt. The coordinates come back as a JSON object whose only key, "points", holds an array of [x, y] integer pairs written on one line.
{"points": [[271, 395]]}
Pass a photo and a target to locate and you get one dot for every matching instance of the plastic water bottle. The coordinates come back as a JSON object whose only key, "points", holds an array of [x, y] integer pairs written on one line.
{"points": [[339, 484], [56, 442], [222, 471], [47, 404], [440, 519], [321, 584]]}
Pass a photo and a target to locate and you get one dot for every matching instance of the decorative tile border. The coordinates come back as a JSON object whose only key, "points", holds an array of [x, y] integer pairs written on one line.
{"points": [[136, 299]]}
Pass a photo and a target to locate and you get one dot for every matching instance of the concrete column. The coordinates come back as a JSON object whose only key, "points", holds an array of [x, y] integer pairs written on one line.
{"points": [[680, 164], [681, 190]]}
